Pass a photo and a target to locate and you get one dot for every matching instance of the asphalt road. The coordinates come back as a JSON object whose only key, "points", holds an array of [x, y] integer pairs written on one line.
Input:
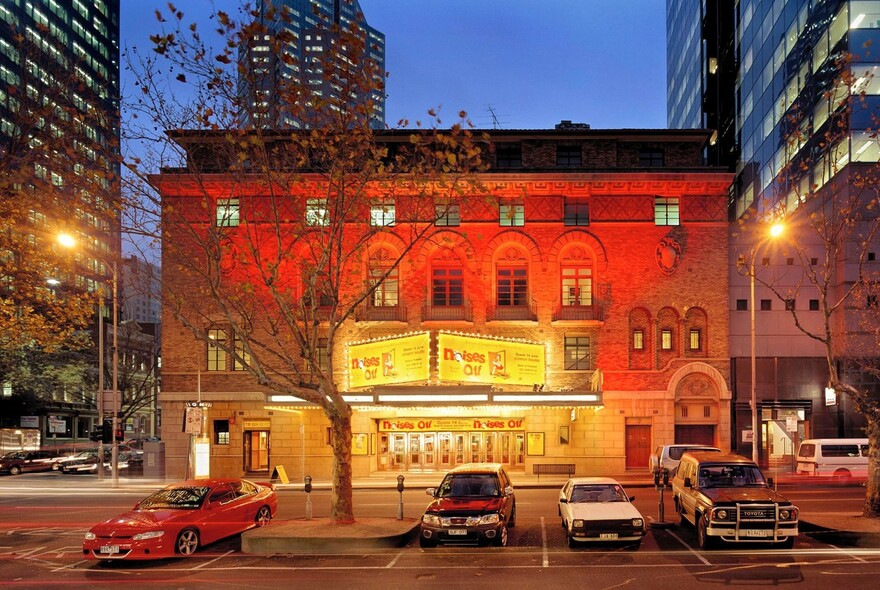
{"points": [[43, 518]]}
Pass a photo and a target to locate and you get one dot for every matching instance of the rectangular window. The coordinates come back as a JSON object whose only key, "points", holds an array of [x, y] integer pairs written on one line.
{"points": [[447, 287], [666, 211], [227, 212], [382, 213], [221, 432], [511, 214], [872, 256], [508, 155], [651, 158], [871, 300], [577, 285], [316, 213], [695, 342], [216, 355], [240, 353], [322, 355], [577, 353], [666, 340], [512, 286], [789, 305], [386, 293], [577, 212], [765, 305], [447, 214], [814, 305], [568, 156], [638, 340], [742, 305]]}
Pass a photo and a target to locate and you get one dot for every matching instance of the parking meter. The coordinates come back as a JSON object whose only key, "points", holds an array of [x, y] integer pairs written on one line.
{"points": [[665, 477], [400, 503], [308, 488], [657, 478]]}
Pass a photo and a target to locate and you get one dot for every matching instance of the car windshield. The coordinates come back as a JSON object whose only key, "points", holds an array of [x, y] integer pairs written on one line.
{"points": [[469, 484], [598, 493], [14, 455], [730, 476], [183, 498]]}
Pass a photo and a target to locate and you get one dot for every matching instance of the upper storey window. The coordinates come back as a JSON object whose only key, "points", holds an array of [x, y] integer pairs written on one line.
{"points": [[316, 213], [577, 212], [666, 211], [568, 156], [508, 155], [651, 158], [511, 214], [382, 213], [227, 212], [447, 214]]}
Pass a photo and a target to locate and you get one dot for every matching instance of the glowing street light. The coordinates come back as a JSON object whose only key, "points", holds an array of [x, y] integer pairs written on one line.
{"points": [[69, 241]]}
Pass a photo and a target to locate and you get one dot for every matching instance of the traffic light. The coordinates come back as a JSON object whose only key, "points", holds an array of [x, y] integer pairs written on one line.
{"points": [[107, 432], [119, 435]]}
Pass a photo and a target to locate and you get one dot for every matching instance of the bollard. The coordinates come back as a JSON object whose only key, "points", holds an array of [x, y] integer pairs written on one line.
{"points": [[308, 488], [400, 491]]}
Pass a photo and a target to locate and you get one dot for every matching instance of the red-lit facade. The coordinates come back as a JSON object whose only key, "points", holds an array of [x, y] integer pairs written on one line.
{"points": [[577, 315]]}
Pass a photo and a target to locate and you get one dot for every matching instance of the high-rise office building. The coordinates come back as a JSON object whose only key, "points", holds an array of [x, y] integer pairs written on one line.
{"points": [[797, 130], [59, 138], [301, 59]]}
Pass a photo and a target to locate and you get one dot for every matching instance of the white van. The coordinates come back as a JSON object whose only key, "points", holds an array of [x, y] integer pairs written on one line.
{"points": [[840, 458]]}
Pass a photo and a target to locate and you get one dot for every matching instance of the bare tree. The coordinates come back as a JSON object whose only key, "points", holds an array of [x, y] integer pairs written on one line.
{"points": [[275, 239]]}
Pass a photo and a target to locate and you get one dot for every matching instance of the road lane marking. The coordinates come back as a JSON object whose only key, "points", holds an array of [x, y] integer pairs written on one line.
{"points": [[845, 552], [689, 548], [201, 565], [545, 561], [393, 561]]}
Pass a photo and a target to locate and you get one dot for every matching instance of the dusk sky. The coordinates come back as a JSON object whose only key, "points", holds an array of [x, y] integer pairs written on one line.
{"points": [[534, 62]]}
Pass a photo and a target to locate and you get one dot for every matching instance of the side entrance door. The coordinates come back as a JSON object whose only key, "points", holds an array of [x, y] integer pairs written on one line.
{"points": [[638, 446]]}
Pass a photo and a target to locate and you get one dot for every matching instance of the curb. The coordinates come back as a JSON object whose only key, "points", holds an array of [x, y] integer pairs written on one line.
{"points": [[288, 537]]}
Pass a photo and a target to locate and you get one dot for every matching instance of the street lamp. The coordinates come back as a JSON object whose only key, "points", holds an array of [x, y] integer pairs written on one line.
{"points": [[775, 231], [69, 241]]}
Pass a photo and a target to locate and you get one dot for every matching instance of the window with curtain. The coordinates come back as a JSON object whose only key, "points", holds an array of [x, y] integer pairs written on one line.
{"points": [[577, 285]]}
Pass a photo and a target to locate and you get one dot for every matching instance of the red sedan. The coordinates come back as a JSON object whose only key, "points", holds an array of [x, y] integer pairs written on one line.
{"points": [[182, 517]]}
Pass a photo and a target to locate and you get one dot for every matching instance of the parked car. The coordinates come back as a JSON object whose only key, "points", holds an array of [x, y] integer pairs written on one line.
{"points": [[727, 498], [840, 458], [180, 518], [20, 461], [598, 509], [668, 456], [475, 503]]}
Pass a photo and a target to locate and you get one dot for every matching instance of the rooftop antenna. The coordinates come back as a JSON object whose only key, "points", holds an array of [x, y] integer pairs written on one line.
{"points": [[496, 124]]}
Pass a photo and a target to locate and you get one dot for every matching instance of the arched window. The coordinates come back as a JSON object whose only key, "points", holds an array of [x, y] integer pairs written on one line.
{"points": [[384, 276], [512, 279], [667, 334], [696, 324]]}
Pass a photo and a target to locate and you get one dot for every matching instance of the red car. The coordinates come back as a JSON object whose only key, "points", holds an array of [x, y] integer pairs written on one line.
{"points": [[182, 517]]}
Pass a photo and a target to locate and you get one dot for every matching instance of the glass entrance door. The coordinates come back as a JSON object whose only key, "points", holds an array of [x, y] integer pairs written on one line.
{"points": [[444, 458], [256, 450], [398, 451]]}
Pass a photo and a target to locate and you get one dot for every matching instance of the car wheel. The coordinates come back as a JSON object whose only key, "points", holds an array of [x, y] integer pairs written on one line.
{"points": [[56, 467], [704, 541], [427, 543], [501, 539], [264, 515], [511, 522], [842, 476], [187, 542], [14, 470]]}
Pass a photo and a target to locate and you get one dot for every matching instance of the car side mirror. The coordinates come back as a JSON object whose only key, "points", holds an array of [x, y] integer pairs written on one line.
{"points": [[508, 491], [431, 491], [632, 498], [563, 500], [688, 483]]}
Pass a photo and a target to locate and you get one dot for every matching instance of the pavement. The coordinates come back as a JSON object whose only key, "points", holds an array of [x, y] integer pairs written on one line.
{"points": [[323, 536]]}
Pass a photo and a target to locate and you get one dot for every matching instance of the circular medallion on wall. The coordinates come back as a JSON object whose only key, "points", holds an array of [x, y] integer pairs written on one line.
{"points": [[668, 255]]}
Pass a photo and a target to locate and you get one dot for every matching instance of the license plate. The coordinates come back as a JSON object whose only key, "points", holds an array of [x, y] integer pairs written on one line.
{"points": [[109, 549], [607, 536], [756, 533], [458, 532]]}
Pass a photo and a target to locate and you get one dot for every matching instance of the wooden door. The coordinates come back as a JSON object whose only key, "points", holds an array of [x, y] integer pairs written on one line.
{"points": [[697, 434], [638, 446]]}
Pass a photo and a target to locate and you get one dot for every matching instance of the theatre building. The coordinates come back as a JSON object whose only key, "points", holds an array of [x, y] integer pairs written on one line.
{"points": [[574, 313]]}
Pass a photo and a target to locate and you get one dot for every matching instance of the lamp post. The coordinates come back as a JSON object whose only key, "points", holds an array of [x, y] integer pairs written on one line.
{"points": [[69, 241], [775, 231]]}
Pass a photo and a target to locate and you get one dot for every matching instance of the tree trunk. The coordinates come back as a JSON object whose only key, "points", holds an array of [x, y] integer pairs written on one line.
{"points": [[342, 509], [872, 483]]}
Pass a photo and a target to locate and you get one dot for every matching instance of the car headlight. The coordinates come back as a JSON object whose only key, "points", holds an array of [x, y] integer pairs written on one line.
{"points": [[431, 519], [721, 514], [147, 535], [577, 523], [493, 518], [90, 536], [788, 514], [638, 523]]}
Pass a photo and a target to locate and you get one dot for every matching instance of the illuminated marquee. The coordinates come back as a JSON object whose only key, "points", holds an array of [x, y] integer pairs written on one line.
{"points": [[395, 360], [450, 424], [485, 360]]}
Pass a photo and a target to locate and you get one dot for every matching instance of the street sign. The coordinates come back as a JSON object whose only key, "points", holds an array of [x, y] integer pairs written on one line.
{"points": [[57, 425], [30, 421], [193, 422], [791, 423], [748, 436]]}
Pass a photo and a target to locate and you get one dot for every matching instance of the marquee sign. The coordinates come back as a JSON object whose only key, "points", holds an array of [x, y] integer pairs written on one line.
{"points": [[395, 360], [485, 360], [450, 424]]}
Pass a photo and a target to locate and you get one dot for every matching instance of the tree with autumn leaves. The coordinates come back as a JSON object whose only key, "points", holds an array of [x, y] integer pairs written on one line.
{"points": [[268, 232]]}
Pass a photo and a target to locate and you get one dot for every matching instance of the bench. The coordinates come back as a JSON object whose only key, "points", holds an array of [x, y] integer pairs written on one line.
{"points": [[540, 469]]}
